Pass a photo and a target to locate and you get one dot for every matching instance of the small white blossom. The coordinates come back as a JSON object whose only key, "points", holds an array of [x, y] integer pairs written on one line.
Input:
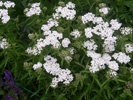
{"points": [[75, 33], [65, 42], [115, 25], [67, 12], [9, 4], [88, 17], [129, 48], [34, 10], [126, 30], [52, 22], [88, 32], [1, 3], [104, 10], [113, 65], [121, 57], [53, 68], [38, 65], [90, 45], [4, 44], [70, 5], [112, 73]]}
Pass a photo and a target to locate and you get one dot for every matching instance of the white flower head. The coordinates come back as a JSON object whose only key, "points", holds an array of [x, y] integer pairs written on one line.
{"points": [[129, 48], [34, 10], [4, 44], [115, 25], [121, 57], [104, 10], [126, 30], [9, 4], [65, 42], [36, 66]]}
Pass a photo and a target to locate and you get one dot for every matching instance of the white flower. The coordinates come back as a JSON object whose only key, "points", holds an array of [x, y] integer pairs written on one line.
{"points": [[5, 19], [70, 5], [38, 65], [98, 20], [121, 57], [68, 58], [115, 25], [109, 44], [106, 58], [1, 3], [88, 32], [53, 68], [34, 10], [129, 48], [87, 17], [126, 30], [90, 45], [4, 44], [54, 82], [9, 4], [52, 22], [104, 10], [113, 65], [65, 42], [33, 51], [65, 12], [75, 33], [112, 73]]}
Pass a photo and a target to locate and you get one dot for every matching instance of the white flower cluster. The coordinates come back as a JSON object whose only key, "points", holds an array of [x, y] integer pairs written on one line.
{"points": [[51, 39], [126, 30], [114, 24], [65, 42], [106, 31], [38, 65], [103, 29], [34, 10], [129, 48], [121, 57], [4, 44], [112, 73], [103, 9], [90, 45], [4, 12], [75, 33], [61, 75], [109, 44], [100, 61], [67, 12]]}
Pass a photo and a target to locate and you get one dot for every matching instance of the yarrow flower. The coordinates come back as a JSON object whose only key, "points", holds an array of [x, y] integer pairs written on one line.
{"points": [[34, 10], [126, 30], [90, 45], [9, 4], [112, 73], [75, 33], [65, 42], [36, 66], [99, 39], [61, 75], [4, 44], [67, 12], [4, 12], [121, 57], [129, 48]]}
